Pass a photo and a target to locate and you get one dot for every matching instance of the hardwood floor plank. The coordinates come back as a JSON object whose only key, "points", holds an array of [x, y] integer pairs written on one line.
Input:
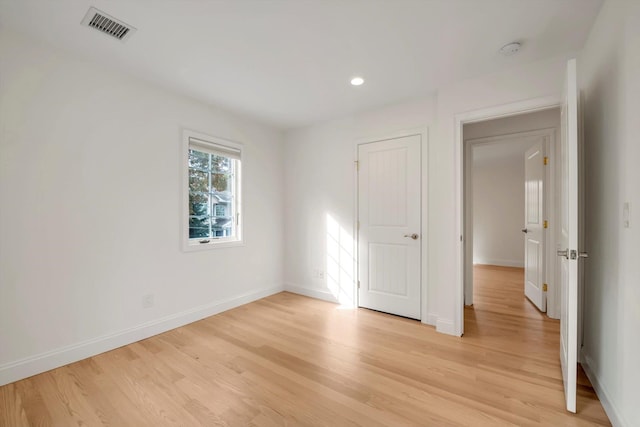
{"points": [[12, 411], [289, 360], [33, 404]]}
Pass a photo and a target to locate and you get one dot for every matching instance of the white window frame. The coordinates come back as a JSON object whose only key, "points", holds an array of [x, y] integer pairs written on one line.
{"points": [[190, 137]]}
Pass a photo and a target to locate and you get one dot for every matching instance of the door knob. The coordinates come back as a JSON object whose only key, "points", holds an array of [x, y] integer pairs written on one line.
{"points": [[564, 253], [583, 255], [414, 236], [524, 230]]}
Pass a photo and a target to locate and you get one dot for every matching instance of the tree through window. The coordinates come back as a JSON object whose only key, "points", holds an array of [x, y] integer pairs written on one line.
{"points": [[213, 191]]}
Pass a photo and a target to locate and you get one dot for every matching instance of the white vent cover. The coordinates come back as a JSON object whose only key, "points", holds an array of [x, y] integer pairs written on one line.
{"points": [[107, 24]]}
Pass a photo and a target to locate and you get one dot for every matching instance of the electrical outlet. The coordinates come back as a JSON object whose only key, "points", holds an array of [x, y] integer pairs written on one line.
{"points": [[147, 301]]}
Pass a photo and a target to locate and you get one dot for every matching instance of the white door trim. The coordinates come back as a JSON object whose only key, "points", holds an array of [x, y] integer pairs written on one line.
{"points": [[495, 112], [427, 317], [553, 294]]}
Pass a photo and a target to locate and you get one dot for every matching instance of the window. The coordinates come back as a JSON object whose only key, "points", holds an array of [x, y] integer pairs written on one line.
{"points": [[212, 192]]}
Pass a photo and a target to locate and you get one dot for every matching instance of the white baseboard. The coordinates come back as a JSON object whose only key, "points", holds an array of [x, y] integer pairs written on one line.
{"points": [[430, 319], [609, 407], [23, 368], [446, 327], [313, 293], [500, 262]]}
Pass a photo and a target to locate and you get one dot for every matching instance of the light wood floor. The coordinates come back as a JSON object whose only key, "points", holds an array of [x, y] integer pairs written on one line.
{"points": [[291, 360]]}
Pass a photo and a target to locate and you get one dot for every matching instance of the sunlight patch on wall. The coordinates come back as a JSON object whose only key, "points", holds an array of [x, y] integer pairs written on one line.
{"points": [[340, 263]]}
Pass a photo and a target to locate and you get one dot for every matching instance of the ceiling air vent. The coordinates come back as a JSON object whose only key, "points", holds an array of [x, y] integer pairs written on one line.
{"points": [[107, 24]]}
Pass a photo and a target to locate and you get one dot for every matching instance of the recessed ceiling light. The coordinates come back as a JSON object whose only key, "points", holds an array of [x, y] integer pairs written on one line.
{"points": [[510, 48], [357, 81]]}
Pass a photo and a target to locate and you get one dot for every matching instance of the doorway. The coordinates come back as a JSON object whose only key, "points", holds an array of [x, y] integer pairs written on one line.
{"points": [[509, 183]]}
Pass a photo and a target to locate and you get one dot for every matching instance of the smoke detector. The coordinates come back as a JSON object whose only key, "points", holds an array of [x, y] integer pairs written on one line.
{"points": [[510, 48], [107, 24]]}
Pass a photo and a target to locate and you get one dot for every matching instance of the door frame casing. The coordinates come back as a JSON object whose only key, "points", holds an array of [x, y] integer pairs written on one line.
{"points": [[423, 132], [495, 112], [549, 211]]}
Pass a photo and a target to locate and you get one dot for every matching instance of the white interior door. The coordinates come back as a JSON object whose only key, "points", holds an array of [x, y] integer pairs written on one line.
{"points": [[533, 230], [389, 211], [569, 237]]}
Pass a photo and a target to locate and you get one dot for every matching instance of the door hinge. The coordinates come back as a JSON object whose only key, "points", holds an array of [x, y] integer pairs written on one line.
{"points": [[358, 284], [544, 287], [357, 165], [546, 160], [545, 224], [358, 225]]}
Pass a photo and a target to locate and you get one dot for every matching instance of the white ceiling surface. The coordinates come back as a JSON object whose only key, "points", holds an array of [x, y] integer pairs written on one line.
{"points": [[289, 62]]}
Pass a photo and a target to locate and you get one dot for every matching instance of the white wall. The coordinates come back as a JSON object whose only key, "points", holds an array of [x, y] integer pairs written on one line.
{"points": [[608, 71], [320, 193], [319, 178], [90, 180], [498, 208]]}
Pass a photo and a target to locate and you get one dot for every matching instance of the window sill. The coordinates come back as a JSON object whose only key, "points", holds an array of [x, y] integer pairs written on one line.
{"points": [[214, 244]]}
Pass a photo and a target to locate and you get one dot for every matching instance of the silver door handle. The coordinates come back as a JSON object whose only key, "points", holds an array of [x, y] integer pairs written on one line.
{"points": [[414, 236], [573, 254], [524, 230]]}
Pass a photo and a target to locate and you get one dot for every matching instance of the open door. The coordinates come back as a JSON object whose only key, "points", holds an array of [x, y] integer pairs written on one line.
{"points": [[568, 252], [534, 246]]}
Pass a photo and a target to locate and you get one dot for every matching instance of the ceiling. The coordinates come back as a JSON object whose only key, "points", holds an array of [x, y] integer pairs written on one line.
{"points": [[288, 62]]}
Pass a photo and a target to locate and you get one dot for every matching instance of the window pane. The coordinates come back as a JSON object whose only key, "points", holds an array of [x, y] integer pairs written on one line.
{"points": [[221, 183], [198, 181], [221, 210], [222, 226], [220, 164], [199, 227], [222, 204], [198, 204], [198, 160]]}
